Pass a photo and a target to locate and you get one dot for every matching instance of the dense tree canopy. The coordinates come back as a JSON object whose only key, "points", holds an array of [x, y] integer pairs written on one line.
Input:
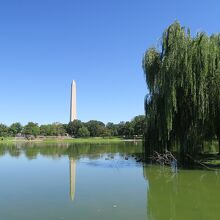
{"points": [[95, 128], [15, 128], [31, 129], [113, 128], [138, 124], [77, 128], [83, 132], [3, 130], [55, 129], [73, 127], [183, 78]]}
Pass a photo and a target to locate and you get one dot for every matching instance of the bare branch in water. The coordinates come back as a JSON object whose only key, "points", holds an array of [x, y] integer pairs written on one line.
{"points": [[166, 158]]}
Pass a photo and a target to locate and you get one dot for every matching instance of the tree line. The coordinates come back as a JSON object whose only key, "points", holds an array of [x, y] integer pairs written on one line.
{"points": [[77, 128], [183, 103]]}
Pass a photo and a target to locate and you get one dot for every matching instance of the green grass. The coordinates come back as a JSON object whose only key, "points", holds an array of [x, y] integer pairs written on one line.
{"points": [[67, 140], [84, 140], [211, 146], [6, 139], [213, 162]]}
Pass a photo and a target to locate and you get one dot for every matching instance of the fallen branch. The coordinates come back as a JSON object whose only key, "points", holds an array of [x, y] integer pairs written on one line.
{"points": [[201, 163], [166, 158]]}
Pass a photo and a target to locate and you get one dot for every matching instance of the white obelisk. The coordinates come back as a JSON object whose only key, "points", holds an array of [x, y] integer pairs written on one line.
{"points": [[73, 102]]}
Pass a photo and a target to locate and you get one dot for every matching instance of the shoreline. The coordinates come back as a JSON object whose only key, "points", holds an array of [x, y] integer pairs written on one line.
{"points": [[97, 140]]}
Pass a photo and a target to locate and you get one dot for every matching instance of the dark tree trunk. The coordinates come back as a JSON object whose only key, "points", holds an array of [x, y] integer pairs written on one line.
{"points": [[219, 145]]}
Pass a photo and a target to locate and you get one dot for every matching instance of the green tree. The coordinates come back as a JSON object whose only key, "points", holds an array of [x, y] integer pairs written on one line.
{"points": [[55, 129], [183, 83], [15, 128], [4, 131], [105, 132], [31, 129], [45, 130], [59, 129], [121, 128], [139, 124], [73, 127], [95, 128], [83, 132], [126, 129], [113, 128]]}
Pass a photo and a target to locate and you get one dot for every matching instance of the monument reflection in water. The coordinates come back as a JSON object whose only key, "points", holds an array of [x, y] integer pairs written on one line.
{"points": [[72, 178]]}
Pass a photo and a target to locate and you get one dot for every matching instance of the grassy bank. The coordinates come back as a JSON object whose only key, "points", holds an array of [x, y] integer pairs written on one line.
{"points": [[68, 140]]}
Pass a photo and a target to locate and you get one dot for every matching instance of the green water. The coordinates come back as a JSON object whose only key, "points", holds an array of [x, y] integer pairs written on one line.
{"points": [[67, 181]]}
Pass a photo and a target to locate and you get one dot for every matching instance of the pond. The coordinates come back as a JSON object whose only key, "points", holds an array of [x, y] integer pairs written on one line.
{"points": [[69, 181]]}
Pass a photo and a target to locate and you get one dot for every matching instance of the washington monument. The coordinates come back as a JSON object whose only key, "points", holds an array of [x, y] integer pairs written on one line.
{"points": [[72, 118], [73, 102]]}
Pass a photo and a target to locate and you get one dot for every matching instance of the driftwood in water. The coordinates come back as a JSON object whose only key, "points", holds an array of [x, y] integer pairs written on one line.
{"points": [[166, 158]]}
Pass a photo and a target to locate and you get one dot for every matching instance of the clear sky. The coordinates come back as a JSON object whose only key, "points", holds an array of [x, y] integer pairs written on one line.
{"points": [[45, 44]]}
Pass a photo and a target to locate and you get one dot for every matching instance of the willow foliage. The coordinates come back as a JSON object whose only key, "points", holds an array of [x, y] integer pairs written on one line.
{"points": [[183, 79]]}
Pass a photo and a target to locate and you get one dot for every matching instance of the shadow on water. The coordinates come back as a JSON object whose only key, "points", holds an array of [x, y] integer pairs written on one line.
{"points": [[188, 194]]}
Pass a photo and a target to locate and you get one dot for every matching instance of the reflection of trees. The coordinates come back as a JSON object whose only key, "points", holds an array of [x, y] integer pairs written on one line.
{"points": [[92, 151], [2, 150], [186, 195], [31, 153], [12, 150]]}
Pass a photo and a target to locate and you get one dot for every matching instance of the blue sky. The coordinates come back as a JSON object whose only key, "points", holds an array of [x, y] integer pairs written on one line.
{"points": [[44, 44]]}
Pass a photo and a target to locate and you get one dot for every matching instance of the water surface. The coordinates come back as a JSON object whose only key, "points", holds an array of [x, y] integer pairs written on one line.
{"points": [[69, 181]]}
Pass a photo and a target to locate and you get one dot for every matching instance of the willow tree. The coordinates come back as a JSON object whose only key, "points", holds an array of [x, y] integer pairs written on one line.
{"points": [[183, 79]]}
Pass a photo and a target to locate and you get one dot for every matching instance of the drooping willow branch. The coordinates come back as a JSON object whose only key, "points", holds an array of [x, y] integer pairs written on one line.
{"points": [[183, 79]]}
